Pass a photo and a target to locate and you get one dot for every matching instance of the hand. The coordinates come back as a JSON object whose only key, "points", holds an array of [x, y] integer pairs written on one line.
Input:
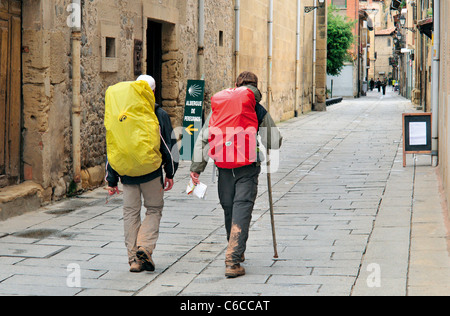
{"points": [[112, 190], [168, 184], [194, 177]]}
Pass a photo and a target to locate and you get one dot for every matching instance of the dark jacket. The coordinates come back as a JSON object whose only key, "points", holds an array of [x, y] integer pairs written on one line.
{"points": [[170, 156]]}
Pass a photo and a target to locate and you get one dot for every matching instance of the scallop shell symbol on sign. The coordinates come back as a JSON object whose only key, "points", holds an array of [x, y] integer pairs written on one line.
{"points": [[195, 90]]}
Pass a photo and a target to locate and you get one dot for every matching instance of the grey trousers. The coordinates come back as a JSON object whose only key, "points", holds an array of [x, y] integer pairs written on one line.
{"points": [[237, 193], [138, 232]]}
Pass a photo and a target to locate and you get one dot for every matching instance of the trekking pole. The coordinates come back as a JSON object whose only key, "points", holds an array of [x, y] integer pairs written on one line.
{"points": [[272, 215]]}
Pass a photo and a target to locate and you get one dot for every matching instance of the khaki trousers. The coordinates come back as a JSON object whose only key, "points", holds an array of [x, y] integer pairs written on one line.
{"points": [[142, 234]]}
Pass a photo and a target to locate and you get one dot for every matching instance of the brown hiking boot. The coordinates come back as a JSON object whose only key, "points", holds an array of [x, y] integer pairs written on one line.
{"points": [[136, 266], [234, 271], [146, 258]]}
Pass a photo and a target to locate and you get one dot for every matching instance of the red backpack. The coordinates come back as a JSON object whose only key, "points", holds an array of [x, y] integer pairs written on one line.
{"points": [[233, 128]]}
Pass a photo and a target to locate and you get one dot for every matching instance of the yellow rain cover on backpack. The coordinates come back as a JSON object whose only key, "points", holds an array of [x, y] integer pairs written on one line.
{"points": [[132, 129]]}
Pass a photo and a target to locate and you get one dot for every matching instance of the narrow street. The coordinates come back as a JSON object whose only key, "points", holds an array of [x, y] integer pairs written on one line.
{"points": [[350, 220]]}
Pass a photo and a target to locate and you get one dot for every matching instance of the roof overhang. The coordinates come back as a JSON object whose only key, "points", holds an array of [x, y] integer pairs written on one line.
{"points": [[426, 27], [386, 32], [364, 16], [395, 4]]}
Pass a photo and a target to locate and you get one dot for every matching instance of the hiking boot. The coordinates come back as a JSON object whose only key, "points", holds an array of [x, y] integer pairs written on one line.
{"points": [[146, 258], [234, 271], [136, 266]]}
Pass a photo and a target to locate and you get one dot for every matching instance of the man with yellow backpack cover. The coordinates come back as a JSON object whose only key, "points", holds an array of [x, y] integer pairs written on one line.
{"points": [[139, 146]]}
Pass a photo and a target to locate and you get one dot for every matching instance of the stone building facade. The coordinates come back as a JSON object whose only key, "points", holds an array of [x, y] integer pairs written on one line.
{"points": [[430, 72], [384, 43], [119, 40]]}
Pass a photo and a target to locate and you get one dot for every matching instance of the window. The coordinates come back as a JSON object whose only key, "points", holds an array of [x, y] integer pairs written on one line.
{"points": [[340, 3], [221, 38], [110, 47]]}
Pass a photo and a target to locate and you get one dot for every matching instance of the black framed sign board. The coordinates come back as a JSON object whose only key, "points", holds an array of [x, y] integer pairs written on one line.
{"points": [[193, 117], [417, 135]]}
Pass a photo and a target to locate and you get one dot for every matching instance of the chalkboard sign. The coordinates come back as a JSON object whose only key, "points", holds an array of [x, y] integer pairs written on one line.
{"points": [[417, 134]]}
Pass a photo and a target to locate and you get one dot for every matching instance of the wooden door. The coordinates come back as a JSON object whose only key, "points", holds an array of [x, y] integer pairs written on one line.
{"points": [[10, 91]]}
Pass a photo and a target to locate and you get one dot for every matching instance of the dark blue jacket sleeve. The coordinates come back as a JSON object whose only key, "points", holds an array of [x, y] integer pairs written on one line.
{"points": [[169, 148], [112, 177], [260, 113]]}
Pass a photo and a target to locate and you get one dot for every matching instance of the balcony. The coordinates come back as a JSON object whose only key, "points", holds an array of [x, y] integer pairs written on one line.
{"points": [[426, 27]]}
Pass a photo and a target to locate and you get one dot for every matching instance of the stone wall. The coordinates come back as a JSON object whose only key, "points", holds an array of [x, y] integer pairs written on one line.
{"points": [[108, 33], [218, 68], [384, 52], [254, 53], [306, 58], [46, 96], [47, 74], [284, 55]]}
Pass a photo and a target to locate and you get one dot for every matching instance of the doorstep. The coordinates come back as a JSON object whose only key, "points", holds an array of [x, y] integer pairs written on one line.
{"points": [[20, 199]]}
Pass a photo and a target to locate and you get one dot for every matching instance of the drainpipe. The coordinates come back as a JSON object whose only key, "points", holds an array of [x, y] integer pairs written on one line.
{"points": [[201, 39], [237, 15], [314, 57], [314, 53], [76, 105], [269, 59], [144, 38], [435, 81], [303, 66], [297, 60]]}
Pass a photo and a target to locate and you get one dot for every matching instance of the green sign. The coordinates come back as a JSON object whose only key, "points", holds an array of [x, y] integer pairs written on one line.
{"points": [[192, 122]]}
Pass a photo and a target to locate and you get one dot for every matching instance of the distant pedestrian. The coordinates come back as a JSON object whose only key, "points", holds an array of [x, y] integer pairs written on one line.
{"points": [[371, 84], [379, 85], [149, 151], [238, 178], [383, 85]]}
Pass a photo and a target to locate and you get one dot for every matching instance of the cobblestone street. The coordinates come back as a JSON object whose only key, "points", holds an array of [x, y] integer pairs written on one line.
{"points": [[350, 220]]}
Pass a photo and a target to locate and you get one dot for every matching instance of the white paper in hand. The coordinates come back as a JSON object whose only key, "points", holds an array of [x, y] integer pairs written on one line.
{"points": [[198, 190]]}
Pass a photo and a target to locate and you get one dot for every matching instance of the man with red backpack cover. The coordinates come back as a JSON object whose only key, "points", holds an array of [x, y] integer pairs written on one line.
{"points": [[229, 137]]}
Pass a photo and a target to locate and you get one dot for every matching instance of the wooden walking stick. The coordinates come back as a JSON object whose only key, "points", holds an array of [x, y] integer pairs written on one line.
{"points": [[272, 215]]}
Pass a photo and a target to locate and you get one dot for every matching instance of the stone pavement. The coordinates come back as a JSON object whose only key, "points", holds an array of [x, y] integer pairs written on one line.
{"points": [[350, 220]]}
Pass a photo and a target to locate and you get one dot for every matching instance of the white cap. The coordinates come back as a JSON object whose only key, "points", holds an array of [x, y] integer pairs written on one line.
{"points": [[149, 80]]}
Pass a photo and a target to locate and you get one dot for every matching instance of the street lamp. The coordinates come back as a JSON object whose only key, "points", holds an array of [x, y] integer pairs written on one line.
{"points": [[403, 22], [312, 8]]}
